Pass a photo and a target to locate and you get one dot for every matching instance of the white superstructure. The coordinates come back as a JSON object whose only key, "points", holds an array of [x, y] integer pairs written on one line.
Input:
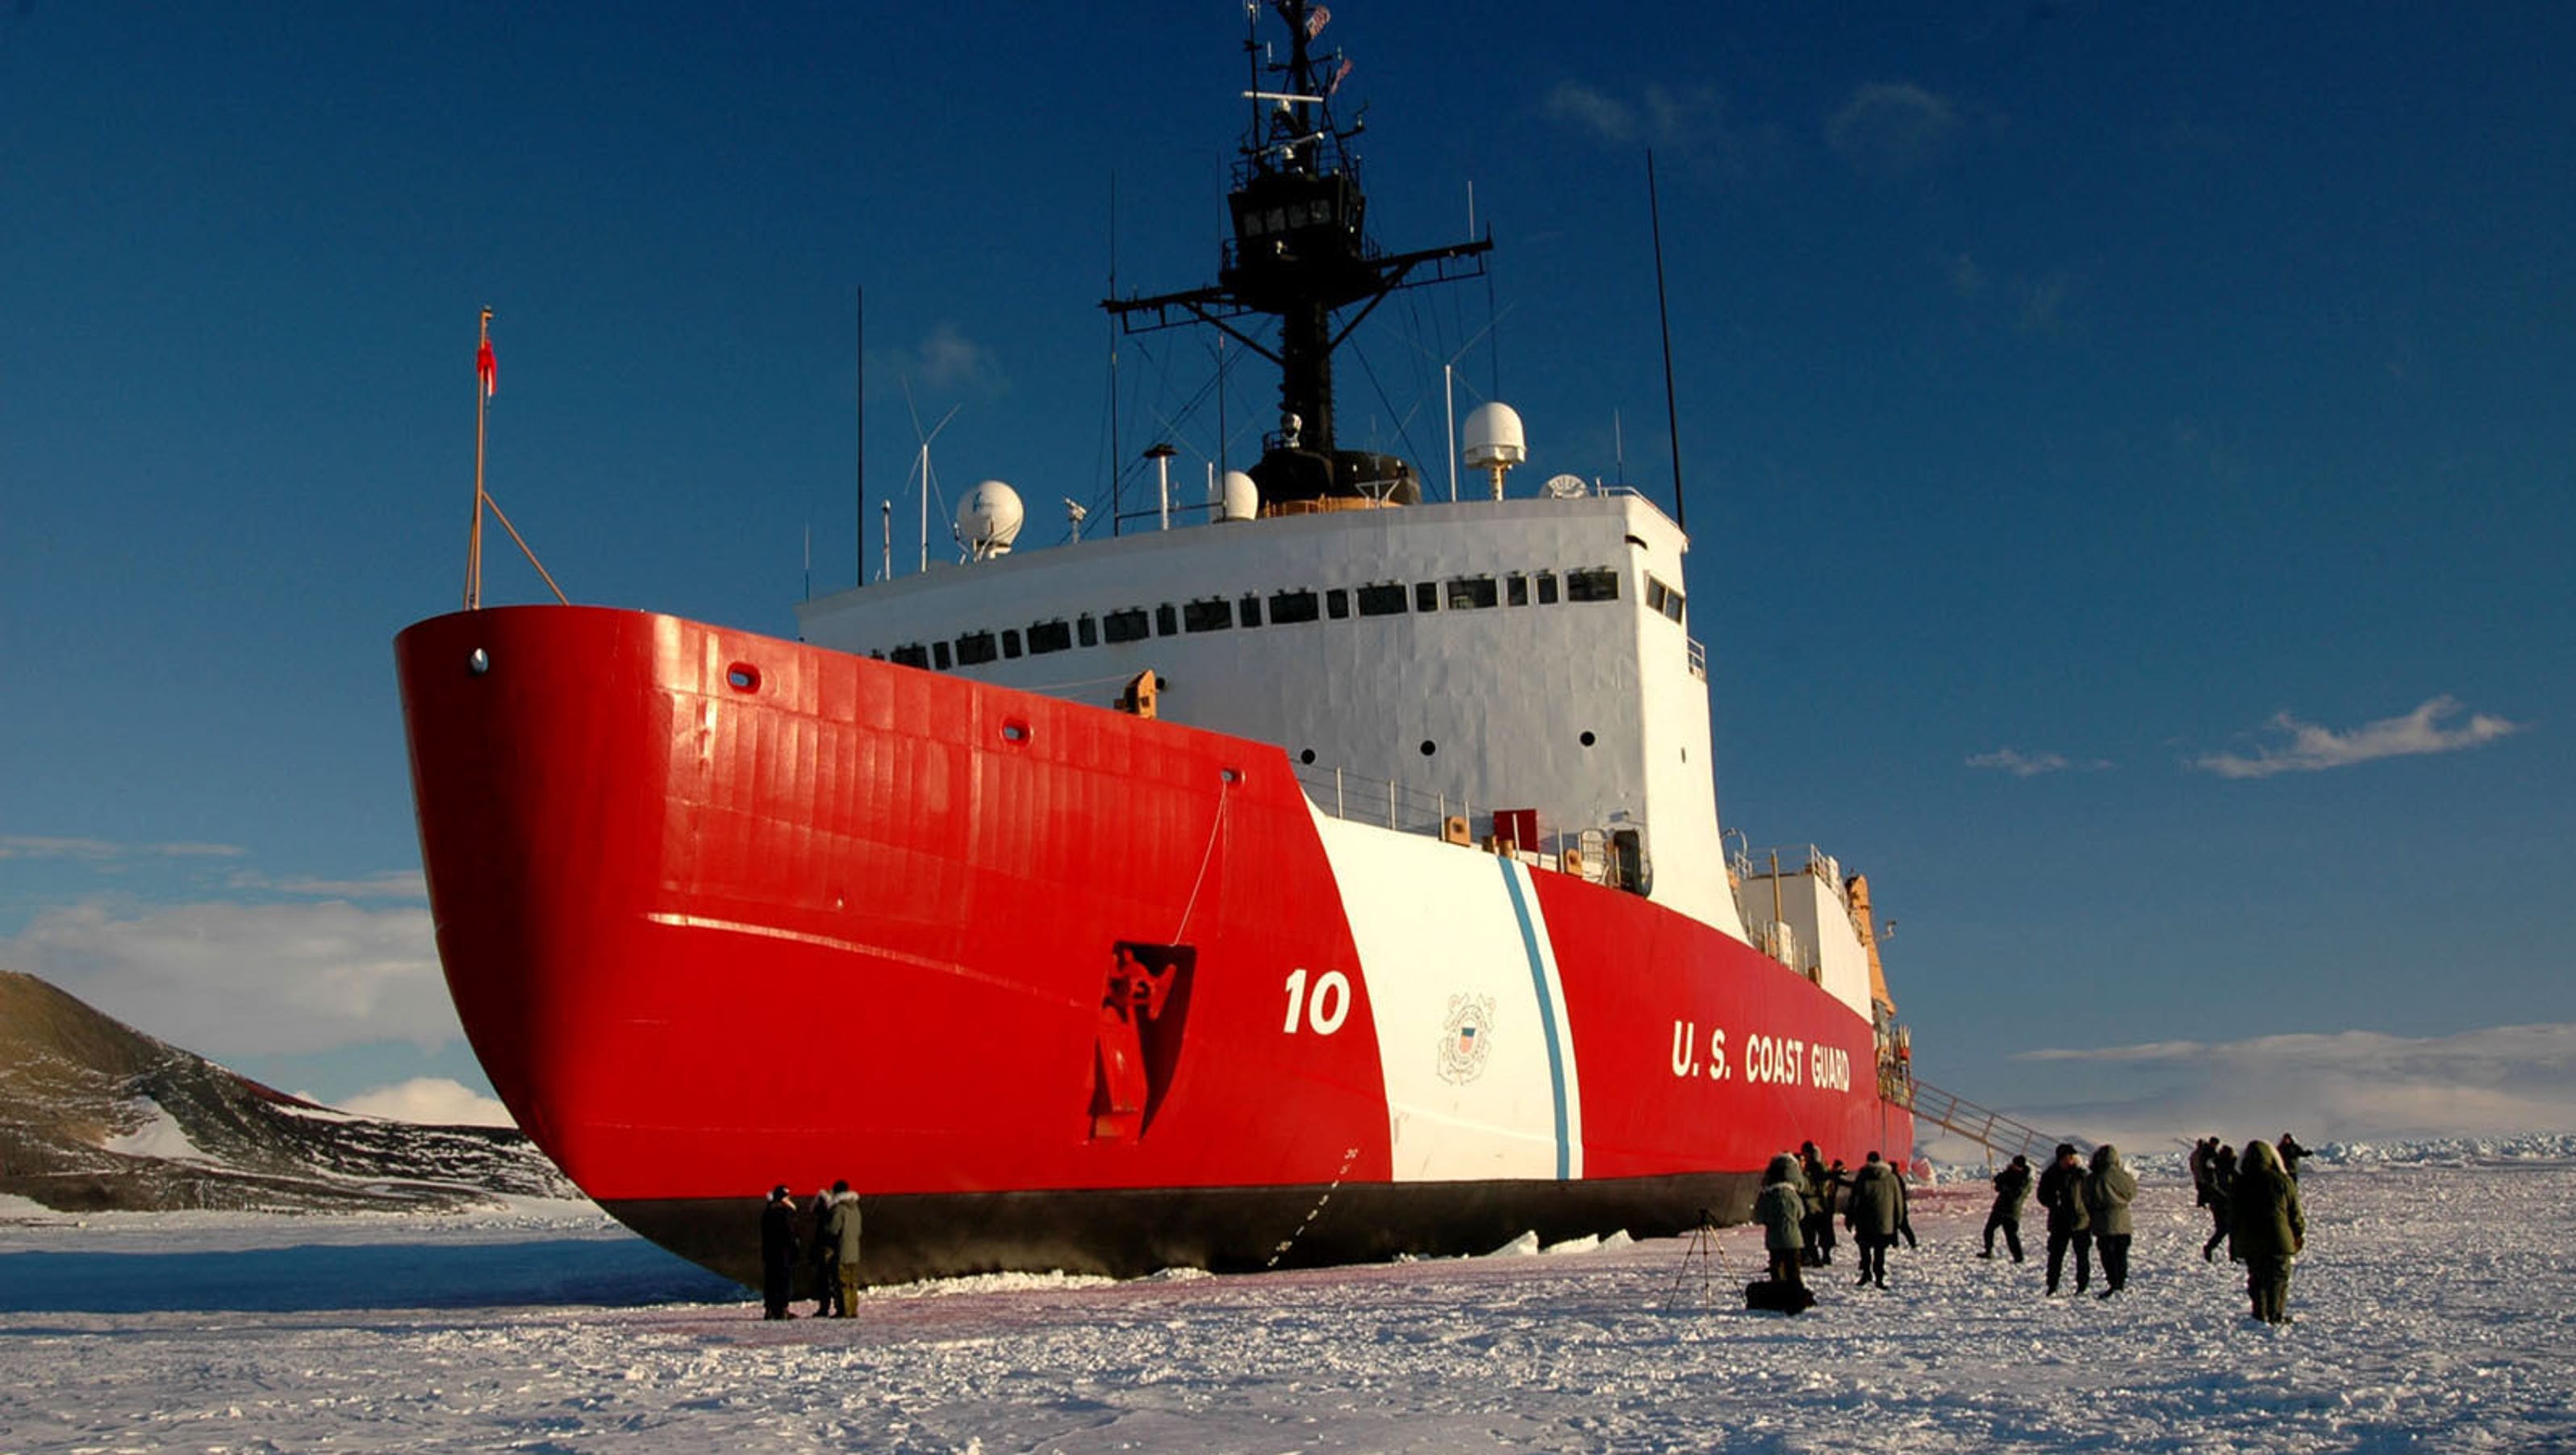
{"points": [[1485, 660]]}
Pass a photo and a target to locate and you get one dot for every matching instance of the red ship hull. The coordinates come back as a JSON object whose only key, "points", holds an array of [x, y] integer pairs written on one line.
{"points": [[720, 911]]}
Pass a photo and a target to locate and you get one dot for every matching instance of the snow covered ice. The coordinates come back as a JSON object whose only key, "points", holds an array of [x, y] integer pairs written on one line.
{"points": [[2436, 1310]]}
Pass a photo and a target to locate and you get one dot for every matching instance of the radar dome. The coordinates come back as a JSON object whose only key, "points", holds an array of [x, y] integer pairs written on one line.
{"points": [[1494, 441], [988, 520], [1237, 498]]}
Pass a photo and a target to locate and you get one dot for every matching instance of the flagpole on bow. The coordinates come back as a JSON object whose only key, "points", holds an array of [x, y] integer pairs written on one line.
{"points": [[487, 378]]}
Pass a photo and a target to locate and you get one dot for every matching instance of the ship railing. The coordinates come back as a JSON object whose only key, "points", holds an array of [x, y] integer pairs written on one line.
{"points": [[1387, 803], [1750, 864], [1991, 1129]]}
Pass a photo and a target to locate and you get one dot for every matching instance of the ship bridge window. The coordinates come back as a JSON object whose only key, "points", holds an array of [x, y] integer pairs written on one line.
{"points": [[1673, 602], [1655, 594], [1049, 636], [975, 649], [1547, 588], [1167, 620], [1088, 629], [912, 655], [1207, 616], [1426, 596], [1467, 592], [1249, 614], [1597, 583], [1294, 606], [1516, 589], [1386, 599], [939, 655], [1011, 642], [1126, 626], [1337, 603]]}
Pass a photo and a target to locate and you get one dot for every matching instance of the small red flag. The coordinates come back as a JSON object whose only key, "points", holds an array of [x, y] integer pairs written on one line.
{"points": [[487, 369]]}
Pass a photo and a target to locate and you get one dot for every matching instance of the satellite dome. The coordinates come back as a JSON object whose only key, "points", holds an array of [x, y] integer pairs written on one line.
{"points": [[1237, 498], [1494, 441], [988, 520]]}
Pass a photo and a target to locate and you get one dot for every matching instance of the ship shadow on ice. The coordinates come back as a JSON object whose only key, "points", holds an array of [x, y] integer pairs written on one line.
{"points": [[316, 1278]]}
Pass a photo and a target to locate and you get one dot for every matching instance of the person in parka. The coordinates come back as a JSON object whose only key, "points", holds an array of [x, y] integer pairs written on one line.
{"points": [[1877, 1207], [2107, 1194], [2269, 1229], [777, 1253], [1818, 1232], [843, 1228], [1782, 1210], [2061, 1191], [825, 1253], [2012, 1189], [2222, 1189]]}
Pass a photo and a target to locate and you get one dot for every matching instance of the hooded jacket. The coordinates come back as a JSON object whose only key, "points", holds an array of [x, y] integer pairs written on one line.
{"points": [[2263, 1208], [2012, 1189], [843, 1227], [1781, 1208], [1877, 1203], [2061, 1191], [2108, 1190]]}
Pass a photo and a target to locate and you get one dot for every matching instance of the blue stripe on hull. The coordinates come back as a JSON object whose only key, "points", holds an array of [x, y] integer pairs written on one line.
{"points": [[1546, 1014]]}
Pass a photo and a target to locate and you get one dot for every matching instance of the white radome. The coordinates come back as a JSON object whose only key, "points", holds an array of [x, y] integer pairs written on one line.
{"points": [[1493, 437], [988, 520], [1237, 498]]}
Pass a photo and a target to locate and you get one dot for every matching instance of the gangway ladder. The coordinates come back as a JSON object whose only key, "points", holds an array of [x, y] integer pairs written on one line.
{"points": [[1998, 1134]]}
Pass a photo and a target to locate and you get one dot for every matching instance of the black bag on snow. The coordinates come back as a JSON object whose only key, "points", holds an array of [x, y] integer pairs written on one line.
{"points": [[1767, 1296]]}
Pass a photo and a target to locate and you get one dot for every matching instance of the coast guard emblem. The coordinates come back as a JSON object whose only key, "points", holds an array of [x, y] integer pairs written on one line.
{"points": [[1467, 1039]]}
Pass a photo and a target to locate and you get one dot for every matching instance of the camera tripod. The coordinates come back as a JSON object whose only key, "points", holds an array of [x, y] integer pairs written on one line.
{"points": [[1702, 1256]]}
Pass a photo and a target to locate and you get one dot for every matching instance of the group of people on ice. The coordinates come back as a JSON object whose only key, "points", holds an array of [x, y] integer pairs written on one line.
{"points": [[2254, 1212], [1799, 1200], [2253, 1202], [832, 1220]]}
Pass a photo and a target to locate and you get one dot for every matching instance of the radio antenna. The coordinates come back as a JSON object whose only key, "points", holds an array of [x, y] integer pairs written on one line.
{"points": [[1663, 315]]}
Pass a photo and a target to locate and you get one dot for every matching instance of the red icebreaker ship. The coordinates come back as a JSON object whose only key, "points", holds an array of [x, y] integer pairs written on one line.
{"points": [[1335, 878]]}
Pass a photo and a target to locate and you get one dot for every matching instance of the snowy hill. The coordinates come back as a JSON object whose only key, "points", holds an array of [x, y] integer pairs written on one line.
{"points": [[97, 1116]]}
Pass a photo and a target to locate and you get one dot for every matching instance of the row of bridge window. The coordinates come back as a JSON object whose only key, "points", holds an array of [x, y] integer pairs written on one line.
{"points": [[1280, 608]]}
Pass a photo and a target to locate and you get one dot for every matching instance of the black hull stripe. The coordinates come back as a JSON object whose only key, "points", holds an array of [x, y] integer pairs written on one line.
{"points": [[1129, 1233]]}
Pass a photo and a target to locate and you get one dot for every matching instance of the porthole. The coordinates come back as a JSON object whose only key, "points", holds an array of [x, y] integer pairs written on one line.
{"points": [[1429, 747], [1307, 756], [1015, 732], [743, 677], [1587, 740]]}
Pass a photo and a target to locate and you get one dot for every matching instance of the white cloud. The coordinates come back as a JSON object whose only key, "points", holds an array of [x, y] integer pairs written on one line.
{"points": [[26, 846], [2307, 748], [2020, 764], [947, 359], [1689, 125], [389, 884], [1594, 110], [2347, 1086], [430, 1101], [1892, 128], [232, 980]]}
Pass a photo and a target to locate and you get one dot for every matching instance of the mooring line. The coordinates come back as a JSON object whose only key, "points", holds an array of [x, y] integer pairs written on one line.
{"points": [[1349, 1156]]}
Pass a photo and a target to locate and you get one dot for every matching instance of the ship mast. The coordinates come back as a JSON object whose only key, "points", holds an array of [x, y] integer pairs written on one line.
{"points": [[1300, 253]]}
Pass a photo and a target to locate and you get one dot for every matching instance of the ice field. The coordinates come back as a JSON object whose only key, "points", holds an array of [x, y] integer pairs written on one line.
{"points": [[2435, 1310]]}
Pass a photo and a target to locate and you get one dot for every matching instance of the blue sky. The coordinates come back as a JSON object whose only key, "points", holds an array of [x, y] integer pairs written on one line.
{"points": [[2078, 403]]}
